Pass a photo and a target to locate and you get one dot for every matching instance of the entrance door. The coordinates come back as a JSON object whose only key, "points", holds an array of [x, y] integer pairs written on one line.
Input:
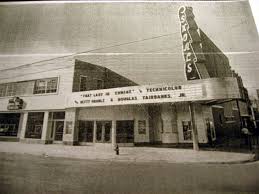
{"points": [[58, 126], [103, 131], [125, 131], [86, 129]]}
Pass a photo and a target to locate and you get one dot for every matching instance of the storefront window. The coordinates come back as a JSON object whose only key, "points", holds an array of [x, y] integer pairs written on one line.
{"points": [[9, 123], [34, 125]]}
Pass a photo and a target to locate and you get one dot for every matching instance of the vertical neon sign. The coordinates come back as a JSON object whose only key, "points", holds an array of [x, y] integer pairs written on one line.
{"points": [[190, 58]]}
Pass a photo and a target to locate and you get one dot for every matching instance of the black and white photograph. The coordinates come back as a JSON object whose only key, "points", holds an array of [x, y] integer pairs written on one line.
{"points": [[129, 97]]}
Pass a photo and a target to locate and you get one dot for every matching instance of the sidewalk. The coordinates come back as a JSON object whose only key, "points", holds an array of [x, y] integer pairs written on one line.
{"points": [[127, 154]]}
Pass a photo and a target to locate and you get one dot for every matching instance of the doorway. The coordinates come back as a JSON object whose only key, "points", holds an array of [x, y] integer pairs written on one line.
{"points": [[86, 129], [125, 131], [56, 125], [58, 128], [103, 131]]}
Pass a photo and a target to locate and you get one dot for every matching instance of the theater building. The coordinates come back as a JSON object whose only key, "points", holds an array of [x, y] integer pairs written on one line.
{"points": [[70, 101], [80, 103]]}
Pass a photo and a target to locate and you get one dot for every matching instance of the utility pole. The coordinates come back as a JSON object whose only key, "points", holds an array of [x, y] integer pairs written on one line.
{"points": [[194, 128]]}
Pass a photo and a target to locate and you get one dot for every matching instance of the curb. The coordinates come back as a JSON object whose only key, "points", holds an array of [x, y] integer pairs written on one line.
{"points": [[134, 160]]}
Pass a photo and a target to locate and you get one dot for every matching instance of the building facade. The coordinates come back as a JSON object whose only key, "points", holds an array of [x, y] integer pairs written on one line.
{"points": [[75, 102]]}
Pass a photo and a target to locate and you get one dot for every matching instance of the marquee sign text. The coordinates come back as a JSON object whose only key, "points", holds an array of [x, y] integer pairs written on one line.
{"points": [[136, 95]]}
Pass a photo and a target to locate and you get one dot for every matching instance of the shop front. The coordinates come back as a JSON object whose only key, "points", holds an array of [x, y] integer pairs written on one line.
{"points": [[42, 126]]}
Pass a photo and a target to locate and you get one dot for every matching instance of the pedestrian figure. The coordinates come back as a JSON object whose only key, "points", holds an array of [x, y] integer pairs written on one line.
{"points": [[117, 150], [210, 134], [247, 134]]}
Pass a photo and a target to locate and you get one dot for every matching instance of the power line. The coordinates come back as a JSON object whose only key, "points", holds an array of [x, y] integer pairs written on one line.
{"points": [[88, 51], [66, 67]]}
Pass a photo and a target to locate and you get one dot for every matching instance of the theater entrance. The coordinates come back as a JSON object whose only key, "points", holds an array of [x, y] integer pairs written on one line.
{"points": [[103, 131], [125, 131], [86, 129]]}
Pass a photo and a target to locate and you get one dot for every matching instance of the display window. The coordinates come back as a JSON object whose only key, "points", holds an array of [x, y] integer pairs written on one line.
{"points": [[9, 123]]}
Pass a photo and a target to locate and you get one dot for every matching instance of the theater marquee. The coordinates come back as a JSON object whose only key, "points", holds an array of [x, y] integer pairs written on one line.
{"points": [[158, 93]]}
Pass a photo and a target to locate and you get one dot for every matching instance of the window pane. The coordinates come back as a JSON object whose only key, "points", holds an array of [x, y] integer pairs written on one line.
{"points": [[52, 85], [107, 131], [46, 86], [24, 88], [10, 89], [58, 115], [83, 83], [2, 90], [40, 87], [99, 84], [99, 131], [9, 123], [86, 131]]}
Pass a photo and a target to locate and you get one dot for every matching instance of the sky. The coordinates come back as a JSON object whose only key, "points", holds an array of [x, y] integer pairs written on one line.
{"points": [[255, 10], [150, 48]]}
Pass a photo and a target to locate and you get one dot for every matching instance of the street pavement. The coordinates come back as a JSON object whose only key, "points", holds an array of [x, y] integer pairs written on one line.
{"points": [[29, 174], [105, 152]]}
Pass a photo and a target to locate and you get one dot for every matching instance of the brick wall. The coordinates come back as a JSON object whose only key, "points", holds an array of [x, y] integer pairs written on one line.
{"points": [[216, 62], [96, 72]]}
